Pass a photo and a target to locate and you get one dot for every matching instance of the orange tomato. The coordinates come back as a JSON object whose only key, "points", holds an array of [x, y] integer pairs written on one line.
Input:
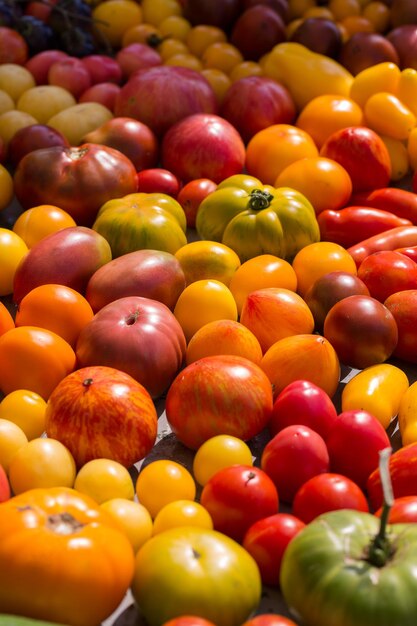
{"points": [[223, 337], [319, 363], [207, 259], [36, 223], [202, 36], [26, 409], [164, 481], [326, 114], [344, 8], [141, 33], [265, 270], [273, 313], [222, 56], [378, 14], [320, 258], [297, 8], [356, 24], [270, 151], [201, 302], [6, 319], [324, 182], [57, 308], [35, 359]]}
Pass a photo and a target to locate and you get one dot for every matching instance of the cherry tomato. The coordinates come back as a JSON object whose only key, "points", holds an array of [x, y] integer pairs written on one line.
{"points": [[164, 481], [217, 453], [104, 479]]}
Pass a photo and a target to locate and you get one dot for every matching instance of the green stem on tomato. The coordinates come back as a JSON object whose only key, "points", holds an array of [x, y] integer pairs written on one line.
{"points": [[380, 548]]}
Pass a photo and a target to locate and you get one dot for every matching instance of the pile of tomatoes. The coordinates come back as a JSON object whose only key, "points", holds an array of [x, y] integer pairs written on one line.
{"points": [[208, 315]]}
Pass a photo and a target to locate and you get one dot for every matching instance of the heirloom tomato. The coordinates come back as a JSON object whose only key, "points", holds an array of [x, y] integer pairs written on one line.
{"points": [[344, 569], [142, 220], [218, 452], [182, 513], [199, 572], [254, 219], [77, 179], [36, 223], [386, 272], [163, 481], [45, 575]]}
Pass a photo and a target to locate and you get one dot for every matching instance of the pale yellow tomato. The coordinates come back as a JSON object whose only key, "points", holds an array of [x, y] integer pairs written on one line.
{"points": [[133, 518], [104, 479], [12, 438], [164, 481], [44, 101], [26, 409], [15, 79], [43, 462], [217, 453], [182, 513]]}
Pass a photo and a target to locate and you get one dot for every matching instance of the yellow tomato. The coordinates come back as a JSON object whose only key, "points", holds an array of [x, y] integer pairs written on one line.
{"points": [[182, 513], [222, 56], [26, 409], [155, 11], [12, 250], [133, 518], [378, 13], [6, 102], [219, 81], [12, 121], [171, 47], [36, 223], [387, 115], [398, 154], [15, 79], [204, 301], [140, 33], [12, 438], [6, 188], [217, 453], [42, 462], [207, 259], [114, 17], [175, 26], [244, 69], [104, 479], [265, 270], [185, 60], [407, 88], [164, 481], [412, 149], [380, 77], [44, 101], [82, 118], [317, 259]]}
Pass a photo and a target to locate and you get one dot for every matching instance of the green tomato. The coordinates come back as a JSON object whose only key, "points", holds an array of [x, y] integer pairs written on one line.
{"points": [[327, 577]]}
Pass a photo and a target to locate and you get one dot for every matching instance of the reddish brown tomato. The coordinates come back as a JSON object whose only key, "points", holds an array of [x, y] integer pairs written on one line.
{"points": [[386, 272], [403, 306], [362, 330], [237, 496]]}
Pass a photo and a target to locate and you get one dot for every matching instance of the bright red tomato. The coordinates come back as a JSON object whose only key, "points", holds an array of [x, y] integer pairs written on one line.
{"points": [[237, 496], [327, 492], [192, 194], [387, 272], [403, 511], [267, 539]]}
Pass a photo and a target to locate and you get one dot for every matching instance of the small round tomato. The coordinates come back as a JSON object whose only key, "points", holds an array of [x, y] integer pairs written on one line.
{"points": [[12, 250], [36, 223], [203, 35], [217, 453], [182, 513], [222, 56], [12, 438], [207, 260], [164, 481], [6, 188], [192, 194], [188, 620], [104, 479], [26, 409], [133, 517], [42, 462], [327, 492], [267, 539], [403, 306], [403, 510], [204, 301], [237, 496], [158, 180], [269, 619], [115, 17]]}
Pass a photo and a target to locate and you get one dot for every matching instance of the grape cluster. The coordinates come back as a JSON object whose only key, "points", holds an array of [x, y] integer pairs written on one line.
{"points": [[65, 25]]}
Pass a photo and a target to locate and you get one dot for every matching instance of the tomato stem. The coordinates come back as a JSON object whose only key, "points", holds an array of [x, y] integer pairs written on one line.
{"points": [[380, 548], [259, 199]]}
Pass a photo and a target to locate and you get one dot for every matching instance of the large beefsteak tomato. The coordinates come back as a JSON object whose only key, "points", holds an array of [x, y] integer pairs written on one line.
{"points": [[62, 558]]}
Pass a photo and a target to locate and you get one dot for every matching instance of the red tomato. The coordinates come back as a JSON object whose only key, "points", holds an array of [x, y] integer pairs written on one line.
{"points": [[403, 306], [354, 445], [362, 331], [215, 395], [403, 472], [303, 402], [188, 620], [327, 492], [293, 456], [158, 180], [13, 47], [237, 496], [269, 619], [386, 272], [77, 179], [192, 194], [267, 539], [403, 511]]}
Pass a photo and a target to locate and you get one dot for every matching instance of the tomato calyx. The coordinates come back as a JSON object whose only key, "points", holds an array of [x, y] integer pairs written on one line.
{"points": [[63, 523], [87, 382], [132, 318], [381, 549], [259, 199]]}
